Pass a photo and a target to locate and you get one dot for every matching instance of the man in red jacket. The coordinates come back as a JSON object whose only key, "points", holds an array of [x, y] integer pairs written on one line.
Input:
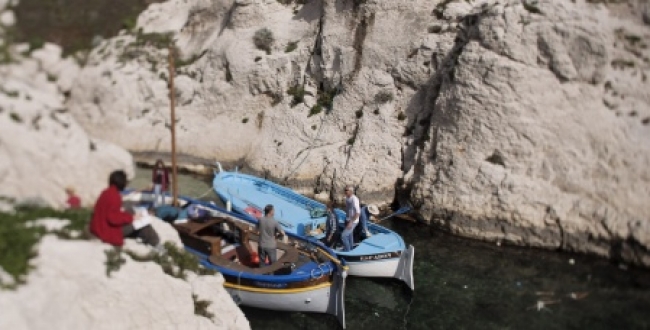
{"points": [[110, 223]]}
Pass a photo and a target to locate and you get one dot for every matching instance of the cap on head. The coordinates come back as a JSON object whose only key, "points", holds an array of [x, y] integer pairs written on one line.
{"points": [[373, 209], [267, 209]]}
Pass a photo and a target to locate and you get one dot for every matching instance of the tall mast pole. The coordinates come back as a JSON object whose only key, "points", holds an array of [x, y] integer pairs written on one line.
{"points": [[172, 103]]}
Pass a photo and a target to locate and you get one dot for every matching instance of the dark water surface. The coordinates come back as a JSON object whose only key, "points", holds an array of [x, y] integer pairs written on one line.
{"points": [[466, 284]]}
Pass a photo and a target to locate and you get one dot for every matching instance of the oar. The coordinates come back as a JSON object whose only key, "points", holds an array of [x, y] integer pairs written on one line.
{"points": [[402, 210]]}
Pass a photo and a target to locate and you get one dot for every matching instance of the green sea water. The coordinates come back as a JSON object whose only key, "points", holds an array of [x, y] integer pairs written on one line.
{"points": [[467, 284]]}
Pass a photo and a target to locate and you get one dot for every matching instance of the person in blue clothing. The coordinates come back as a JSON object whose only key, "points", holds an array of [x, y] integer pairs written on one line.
{"points": [[364, 217]]}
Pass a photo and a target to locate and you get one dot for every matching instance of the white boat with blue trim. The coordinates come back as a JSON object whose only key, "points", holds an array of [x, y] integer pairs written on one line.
{"points": [[307, 277], [384, 254]]}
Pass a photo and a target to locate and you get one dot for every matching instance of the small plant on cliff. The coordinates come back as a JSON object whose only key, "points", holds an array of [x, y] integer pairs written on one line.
{"points": [[383, 97], [201, 307], [531, 6], [326, 98], [316, 109], [298, 93], [114, 261], [174, 261], [15, 117], [263, 39], [291, 46]]}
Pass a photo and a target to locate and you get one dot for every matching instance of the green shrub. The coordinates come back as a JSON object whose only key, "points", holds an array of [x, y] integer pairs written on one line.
{"points": [[401, 116], [201, 307], [245, 120], [383, 97], [174, 261], [114, 260], [17, 240], [531, 7], [358, 113], [15, 117], [263, 39], [326, 99], [298, 93], [316, 109], [291, 46]]}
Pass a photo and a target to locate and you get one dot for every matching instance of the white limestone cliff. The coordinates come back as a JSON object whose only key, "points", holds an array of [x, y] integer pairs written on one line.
{"points": [[69, 289], [42, 148], [526, 121]]}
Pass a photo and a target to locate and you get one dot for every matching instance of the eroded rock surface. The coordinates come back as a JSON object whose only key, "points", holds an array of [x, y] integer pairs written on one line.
{"points": [[69, 289], [42, 148], [526, 121]]}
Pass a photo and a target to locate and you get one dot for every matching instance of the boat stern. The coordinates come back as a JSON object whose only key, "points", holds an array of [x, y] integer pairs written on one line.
{"points": [[405, 267]]}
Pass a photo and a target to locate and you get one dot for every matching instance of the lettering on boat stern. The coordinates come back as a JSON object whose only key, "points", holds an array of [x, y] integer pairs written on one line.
{"points": [[371, 257], [270, 285]]}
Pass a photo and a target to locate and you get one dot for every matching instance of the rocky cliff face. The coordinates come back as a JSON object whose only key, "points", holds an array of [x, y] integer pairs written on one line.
{"points": [[525, 121], [42, 147]]}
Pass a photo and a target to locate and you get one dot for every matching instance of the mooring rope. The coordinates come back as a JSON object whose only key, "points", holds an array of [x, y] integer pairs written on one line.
{"points": [[204, 194], [408, 308]]}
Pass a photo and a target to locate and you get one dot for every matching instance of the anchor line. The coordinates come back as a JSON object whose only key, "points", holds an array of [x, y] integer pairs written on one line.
{"points": [[408, 308]]}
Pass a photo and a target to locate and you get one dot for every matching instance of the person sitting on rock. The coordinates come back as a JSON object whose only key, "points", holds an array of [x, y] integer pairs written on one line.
{"points": [[73, 201], [109, 221]]}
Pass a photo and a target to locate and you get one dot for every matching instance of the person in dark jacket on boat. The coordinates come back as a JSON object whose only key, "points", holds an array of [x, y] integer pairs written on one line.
{"points": [[109, 221], [268, 228], [160, 180], [332, 233]]}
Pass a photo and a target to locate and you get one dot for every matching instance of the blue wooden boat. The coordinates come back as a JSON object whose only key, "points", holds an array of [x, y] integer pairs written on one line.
{"points": [[307, 277], [384, 254]]}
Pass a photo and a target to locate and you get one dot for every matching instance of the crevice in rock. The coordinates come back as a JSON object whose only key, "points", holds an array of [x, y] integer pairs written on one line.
{"points": [[496, 158], [426, 121], [360, 35]]}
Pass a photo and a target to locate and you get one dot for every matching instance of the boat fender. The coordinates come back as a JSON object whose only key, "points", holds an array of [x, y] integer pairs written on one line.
{"points": [[255, 258], [228, 206]]}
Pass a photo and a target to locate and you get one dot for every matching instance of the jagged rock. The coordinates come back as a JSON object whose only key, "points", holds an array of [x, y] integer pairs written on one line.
{"points": [[69, 289], [522, 147]]}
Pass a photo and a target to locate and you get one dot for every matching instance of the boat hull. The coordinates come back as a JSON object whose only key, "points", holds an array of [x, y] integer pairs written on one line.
{"points": [[391, 259], [399, 267], [324, 298]]}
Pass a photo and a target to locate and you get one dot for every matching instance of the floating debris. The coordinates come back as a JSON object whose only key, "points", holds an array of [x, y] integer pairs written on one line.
{"points": [[541, 305], [572, 262], [578, 295]]}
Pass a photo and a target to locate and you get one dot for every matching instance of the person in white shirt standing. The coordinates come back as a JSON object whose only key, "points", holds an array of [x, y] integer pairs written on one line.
{"points": [[352, 211]]}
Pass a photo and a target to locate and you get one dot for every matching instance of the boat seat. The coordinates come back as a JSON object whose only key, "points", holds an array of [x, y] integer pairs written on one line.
{"points": [[289, 255]]}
